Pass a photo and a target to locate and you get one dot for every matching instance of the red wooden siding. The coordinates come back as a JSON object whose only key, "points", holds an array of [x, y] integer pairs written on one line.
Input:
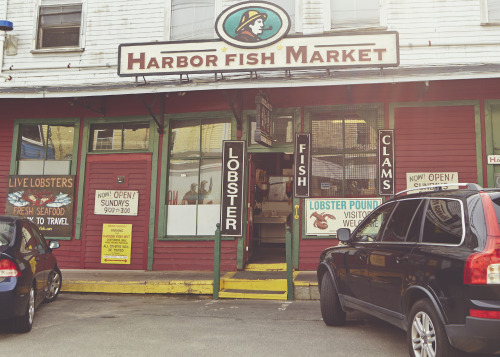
{"points": [[69, 254], [5, 152], [101, 173], [309, 251], [193, 255], [435, 139]]}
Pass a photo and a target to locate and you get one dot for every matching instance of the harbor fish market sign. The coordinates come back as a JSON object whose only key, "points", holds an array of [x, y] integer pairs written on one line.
{"points": [[253, 39]]}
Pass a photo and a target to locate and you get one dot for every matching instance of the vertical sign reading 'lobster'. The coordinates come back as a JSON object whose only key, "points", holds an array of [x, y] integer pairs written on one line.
{"points": [[231, 215]]}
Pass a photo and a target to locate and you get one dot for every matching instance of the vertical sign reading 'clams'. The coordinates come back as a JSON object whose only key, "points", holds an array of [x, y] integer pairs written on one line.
{"points": [[252, 24]]}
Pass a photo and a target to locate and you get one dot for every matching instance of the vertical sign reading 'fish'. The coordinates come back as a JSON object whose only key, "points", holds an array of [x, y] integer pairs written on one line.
{"points": [[47, 201]]}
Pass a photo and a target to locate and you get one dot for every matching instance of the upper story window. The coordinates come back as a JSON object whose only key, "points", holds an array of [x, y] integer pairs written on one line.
{"points": [[192, 20], [59, 26], [490, 11], [355, 14]]}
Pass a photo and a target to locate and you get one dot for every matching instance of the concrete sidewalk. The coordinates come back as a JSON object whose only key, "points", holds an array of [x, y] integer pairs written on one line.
{"points": [[165, 282]]}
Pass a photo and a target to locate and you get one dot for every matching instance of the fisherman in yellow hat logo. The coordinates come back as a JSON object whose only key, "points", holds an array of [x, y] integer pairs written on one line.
{"points": [[251, 26]]}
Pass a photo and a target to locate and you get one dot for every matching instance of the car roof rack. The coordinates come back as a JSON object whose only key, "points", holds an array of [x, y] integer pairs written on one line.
{"points": [[470, 186]]}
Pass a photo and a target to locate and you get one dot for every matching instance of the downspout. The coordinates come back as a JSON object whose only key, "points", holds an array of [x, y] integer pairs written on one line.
{"points": [[3, 15]]}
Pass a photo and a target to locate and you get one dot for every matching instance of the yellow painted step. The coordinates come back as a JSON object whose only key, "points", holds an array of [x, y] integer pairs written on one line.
{"points": [[246, 284], [266, 267], [257, 295]]}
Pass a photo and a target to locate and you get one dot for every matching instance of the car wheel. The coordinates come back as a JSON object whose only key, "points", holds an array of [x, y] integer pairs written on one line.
{"points": [[54, 285], [426, 335], [332, 312], [25, 323]]}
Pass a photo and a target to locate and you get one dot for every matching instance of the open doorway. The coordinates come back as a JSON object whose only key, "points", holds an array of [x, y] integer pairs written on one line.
{"points": [[270, 202]]}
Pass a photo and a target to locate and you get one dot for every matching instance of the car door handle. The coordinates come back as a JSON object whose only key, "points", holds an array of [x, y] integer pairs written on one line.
{"points": [[402, 259]]}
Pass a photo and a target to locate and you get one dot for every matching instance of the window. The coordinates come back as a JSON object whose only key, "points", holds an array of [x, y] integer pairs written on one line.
{"points": [[59, 26], [45, 149], [192, 20], [398, 226], [490, 11], [195, 165], [370, 229], [289, 7], [443, 222], [344, 151], [119, 136], [354, 13], [281, 129]]}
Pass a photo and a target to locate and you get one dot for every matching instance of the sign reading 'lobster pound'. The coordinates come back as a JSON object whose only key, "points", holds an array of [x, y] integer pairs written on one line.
{"points": [[233, 160]]}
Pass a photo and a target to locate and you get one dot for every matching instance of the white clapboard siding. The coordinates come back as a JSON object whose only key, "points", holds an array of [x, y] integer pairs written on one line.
{"points": [[431, 33]]}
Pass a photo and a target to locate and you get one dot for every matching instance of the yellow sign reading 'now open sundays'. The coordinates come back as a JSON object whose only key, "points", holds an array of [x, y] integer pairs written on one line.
{"points": [[116, 243]]}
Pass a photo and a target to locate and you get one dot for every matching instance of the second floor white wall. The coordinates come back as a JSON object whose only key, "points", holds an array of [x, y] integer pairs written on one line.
{"points": [[432, 33]]}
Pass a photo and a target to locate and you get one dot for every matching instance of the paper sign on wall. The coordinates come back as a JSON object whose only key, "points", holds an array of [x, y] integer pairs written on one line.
{"points": [[116, 243], [116, 202]]}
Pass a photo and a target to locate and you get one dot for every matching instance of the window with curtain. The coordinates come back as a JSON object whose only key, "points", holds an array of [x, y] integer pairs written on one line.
{"points": [[192, 20], [194, 176], [354, 13], [344, 151], [45, 149]]}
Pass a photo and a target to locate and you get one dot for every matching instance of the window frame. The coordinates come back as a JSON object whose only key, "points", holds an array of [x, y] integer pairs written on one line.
{"points": [[14, 166], [484, 13], [421, 206], [123, 121], [163, 195], [383, 225], [53, 3], [169, 16], [327, 18], [311, 112]]}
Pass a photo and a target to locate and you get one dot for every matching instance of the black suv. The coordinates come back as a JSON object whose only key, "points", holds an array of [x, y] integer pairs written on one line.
{"points": [[427, 262]]}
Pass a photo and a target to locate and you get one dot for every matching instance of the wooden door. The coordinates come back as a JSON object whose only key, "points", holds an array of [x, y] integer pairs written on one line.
{"points": [[116, 173]]}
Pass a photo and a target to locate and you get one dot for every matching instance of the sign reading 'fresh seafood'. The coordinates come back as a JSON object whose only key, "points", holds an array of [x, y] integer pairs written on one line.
{"points": [[47, 201], [325, 216]]}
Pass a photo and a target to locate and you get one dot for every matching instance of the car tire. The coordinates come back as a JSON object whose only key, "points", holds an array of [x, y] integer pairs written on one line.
{"points": [[54, 285], [331, 310], [426, 334], [24, 323]]}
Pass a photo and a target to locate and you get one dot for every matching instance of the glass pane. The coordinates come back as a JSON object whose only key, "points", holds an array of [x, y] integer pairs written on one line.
{"points": [[212, 134], [399, 223], [327, 133], [136, 136], [370, 229], [192, 19], [61, 167], [106, 137], [60, 37], [282, 129], [185, 139], [493, 11], [360, 174], [60, 142], [33, 141], [326, 180], [443, 222], [289, 7], [30, 167], [355, 13], [210, 181]]}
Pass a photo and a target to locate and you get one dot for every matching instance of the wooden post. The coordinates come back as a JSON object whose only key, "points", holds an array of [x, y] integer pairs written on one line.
{"points": [[217, 259]]}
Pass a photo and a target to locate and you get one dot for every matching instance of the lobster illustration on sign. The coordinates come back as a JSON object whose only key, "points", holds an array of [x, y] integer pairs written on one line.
{"points": [[321, 218]]}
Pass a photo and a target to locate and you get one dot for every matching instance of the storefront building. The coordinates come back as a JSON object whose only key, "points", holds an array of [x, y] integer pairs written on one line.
{"points": [[126, 170]]}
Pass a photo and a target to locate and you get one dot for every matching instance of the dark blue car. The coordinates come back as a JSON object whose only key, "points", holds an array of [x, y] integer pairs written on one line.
{"points": [[28, 272]]}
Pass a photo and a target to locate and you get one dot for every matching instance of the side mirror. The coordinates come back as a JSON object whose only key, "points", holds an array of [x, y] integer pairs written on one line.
{"points": [[54, 244], [344, 234]]}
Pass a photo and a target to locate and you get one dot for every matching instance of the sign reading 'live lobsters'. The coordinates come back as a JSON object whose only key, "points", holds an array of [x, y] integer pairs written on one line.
{"points": [[231, 215], [47, 201]]}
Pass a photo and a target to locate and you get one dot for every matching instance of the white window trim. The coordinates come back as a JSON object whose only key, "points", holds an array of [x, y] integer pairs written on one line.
{"points": [[83, 27], [327, 17], [483, 8]]}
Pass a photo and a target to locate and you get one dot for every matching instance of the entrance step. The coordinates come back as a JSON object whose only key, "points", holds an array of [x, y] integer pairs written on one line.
{"points": [[269, 284], [266, 267]]}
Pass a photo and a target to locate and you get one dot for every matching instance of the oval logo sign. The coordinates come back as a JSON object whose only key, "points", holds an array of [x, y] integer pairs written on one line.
{"points": [[252, 24]]}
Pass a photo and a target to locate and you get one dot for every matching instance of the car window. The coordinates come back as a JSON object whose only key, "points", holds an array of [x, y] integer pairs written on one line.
{"points": [[416, 224], [42, 244], [443, 222], [400, 221], [371, 227], [28, 242], [6, 233]]}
